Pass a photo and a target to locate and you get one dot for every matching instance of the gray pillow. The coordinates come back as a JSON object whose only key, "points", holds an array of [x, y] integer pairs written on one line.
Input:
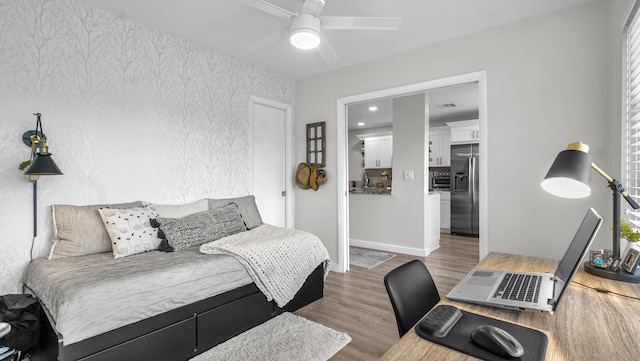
{"points": [[79, 231], [246, 206], [202, 227]]}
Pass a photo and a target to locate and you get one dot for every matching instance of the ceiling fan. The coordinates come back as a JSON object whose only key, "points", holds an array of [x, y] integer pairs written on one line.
{"points": [[305, 29]]}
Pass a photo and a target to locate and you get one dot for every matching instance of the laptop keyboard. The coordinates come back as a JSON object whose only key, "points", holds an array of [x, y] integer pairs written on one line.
{"points": [[519, 287]]}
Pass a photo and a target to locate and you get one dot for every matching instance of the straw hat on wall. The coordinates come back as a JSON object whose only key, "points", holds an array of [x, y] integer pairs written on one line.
{"points": [[302, 176], [309, 177]]}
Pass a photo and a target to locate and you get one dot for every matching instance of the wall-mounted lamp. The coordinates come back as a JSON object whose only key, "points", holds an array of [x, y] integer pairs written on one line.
{"points": [[569, 177], [41, 165]]}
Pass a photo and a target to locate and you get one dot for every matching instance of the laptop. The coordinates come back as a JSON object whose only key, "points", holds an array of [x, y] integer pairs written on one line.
{"points": [[529, 291]]}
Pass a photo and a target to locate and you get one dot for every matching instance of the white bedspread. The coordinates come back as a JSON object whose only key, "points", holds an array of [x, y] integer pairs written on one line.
{"points": [[279, 260]]}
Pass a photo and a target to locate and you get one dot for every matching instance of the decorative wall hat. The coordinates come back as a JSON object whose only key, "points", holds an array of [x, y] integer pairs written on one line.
{"points": [[322, 177], [302, 176], [312, 178]]}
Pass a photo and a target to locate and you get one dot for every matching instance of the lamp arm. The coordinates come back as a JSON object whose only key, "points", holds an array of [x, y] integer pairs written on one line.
{"points": [[616, 186], [601, 172]]}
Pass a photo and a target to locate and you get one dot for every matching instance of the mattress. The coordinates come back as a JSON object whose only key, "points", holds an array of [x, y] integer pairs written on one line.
{"points": [[90, 295]]}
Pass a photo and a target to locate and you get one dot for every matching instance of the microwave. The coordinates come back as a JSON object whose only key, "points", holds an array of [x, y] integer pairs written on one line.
{"points": [[440, 180]]}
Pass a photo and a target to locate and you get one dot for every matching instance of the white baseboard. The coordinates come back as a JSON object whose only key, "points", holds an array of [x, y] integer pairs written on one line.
{"points": [[335, 267], [391, 248]]}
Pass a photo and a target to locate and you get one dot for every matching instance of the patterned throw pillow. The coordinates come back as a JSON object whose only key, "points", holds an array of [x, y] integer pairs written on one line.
{"points": [[130, 230], [202, 227], [247, 208]]}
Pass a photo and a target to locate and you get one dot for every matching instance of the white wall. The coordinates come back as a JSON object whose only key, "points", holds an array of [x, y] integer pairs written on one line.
{"points": [[551, 81], [130, 113]]}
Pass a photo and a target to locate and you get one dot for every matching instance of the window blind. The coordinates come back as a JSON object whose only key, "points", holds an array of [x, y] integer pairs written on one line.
{"points": [[632, 126]]}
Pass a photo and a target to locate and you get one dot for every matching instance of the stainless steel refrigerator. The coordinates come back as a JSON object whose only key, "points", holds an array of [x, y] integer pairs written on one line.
{"points": [[464, 189]]}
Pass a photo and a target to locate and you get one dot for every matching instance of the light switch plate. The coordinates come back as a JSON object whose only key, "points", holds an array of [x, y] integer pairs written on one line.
{"points": [[407, 175]]}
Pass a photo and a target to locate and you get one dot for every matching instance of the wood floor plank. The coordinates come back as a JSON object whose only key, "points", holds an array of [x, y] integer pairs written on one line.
{"points": [[356, 302]]}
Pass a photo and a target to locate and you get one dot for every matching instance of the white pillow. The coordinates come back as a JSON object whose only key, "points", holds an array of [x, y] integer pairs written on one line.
{"points": [[181, 210], [130, 230]]}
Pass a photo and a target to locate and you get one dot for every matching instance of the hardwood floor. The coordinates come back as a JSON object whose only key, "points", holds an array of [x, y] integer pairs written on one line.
{"points": [[356, 302]]}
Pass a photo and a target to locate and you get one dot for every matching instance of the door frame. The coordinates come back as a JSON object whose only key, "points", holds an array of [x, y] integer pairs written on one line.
{"points": [[342, 146], [289, 150]]}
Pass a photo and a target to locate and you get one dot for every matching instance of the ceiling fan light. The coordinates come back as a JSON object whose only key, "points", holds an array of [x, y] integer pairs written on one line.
{"points": [[305, 39], [305, 31]]}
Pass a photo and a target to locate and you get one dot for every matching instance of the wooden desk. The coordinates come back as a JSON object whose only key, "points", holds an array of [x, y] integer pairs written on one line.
{"points": [[587, 325]]}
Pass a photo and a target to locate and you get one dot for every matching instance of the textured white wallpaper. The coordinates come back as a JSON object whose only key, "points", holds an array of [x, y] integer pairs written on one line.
{"points": [[130, 113]]}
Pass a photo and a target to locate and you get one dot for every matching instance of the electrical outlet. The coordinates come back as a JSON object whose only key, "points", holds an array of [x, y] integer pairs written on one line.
{"points": [[407, 175]]}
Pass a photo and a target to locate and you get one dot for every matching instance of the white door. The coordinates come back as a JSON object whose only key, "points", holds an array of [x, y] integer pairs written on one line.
{"points": [[385, 152], [434, 148], [271, 165], [371, 153]]}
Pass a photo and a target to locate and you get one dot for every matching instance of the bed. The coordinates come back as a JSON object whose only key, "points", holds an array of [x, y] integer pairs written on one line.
{"points": [[156, 305]]}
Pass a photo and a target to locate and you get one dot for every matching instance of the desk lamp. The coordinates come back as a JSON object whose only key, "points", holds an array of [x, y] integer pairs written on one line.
{"points": [[569, 177], [42, 164]]}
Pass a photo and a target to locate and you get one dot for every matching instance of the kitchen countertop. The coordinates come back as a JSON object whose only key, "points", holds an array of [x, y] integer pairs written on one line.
{"points": [[370, 190]]}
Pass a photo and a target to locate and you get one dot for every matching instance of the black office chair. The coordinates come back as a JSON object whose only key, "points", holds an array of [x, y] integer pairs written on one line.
{"points": [[412, 292]]}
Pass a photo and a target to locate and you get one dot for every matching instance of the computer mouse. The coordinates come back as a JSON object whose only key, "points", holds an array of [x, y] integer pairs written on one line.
{"points": [[497, 340]]}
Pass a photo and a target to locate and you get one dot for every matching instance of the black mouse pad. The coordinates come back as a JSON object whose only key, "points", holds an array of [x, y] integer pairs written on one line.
{"points": [[458, 336]]}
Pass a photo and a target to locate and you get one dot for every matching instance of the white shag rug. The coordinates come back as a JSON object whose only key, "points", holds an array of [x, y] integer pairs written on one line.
{"points": [[367, 258], [285, 337]]}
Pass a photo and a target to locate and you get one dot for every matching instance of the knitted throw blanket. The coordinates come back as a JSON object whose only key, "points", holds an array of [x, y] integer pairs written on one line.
{"points": [[279, 260]]}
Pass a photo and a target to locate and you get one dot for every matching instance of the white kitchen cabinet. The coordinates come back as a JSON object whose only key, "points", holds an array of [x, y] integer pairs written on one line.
{"points": [[378, 152], [433, 221], [440, 146], [464, 132], [445, 212]]}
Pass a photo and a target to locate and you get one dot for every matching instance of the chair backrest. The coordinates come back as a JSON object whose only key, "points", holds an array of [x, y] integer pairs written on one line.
{"points": [[412, 292]]}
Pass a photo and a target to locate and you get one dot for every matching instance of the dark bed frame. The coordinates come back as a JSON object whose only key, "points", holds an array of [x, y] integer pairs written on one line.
{"points": [[179, 334]]}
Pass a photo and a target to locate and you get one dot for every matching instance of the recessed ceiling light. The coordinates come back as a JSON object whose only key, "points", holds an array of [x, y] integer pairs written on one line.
{"points": [[361, 124], [373, 108]]}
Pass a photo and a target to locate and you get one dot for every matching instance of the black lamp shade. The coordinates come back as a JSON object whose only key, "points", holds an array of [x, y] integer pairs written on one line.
{"points": [[43, 165], [569, 175]]}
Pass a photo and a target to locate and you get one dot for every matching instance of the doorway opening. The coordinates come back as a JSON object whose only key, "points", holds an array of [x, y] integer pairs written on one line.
{"points": [[343, 162]]}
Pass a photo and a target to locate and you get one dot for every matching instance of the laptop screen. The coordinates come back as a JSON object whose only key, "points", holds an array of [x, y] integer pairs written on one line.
{"points": [[575, 253]]}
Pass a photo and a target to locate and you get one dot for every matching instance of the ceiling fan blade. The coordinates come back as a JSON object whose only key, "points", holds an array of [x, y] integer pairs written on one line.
{"points": [[313, 7], [277, 36], [326, 50], [360, 23], [269, 8]]}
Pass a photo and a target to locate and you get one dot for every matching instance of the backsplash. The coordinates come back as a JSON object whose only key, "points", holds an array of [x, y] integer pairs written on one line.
{"points": [[130, 113], [376, 178]]}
